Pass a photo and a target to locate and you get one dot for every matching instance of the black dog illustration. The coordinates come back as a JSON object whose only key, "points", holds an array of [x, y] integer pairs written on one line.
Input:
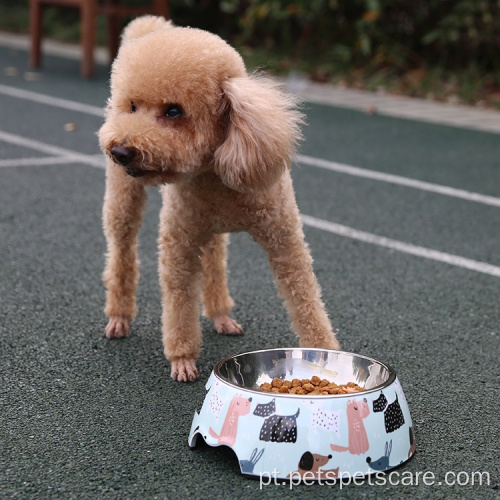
{"points": [[393, 415], [264, 410], [277, 428]]}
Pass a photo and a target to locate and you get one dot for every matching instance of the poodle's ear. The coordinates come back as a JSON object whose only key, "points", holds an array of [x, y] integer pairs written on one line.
{"points": [[263, 128], [143, 25]]}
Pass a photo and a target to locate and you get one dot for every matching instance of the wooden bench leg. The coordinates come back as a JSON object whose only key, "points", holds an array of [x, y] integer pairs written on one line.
{"points": [[35, 33], [89, 28], [113, 32]]}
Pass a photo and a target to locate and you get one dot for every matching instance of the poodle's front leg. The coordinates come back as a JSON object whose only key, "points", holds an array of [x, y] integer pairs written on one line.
{"points": [[122, 215], [180, 279], [217, 303], [291, 263]]}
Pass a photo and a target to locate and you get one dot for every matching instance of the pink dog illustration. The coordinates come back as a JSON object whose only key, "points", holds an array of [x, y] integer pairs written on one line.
{"points": [[238, 407], [358, 440]]}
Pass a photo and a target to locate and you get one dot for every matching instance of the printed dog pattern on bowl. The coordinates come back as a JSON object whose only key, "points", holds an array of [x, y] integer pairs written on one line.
{"points": [[238, 407], [357, 410], [393, 415], [372, 433]]}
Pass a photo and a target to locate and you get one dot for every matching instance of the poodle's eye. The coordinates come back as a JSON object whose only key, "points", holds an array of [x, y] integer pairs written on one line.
{"points": [[133, 107], [174, 111]]}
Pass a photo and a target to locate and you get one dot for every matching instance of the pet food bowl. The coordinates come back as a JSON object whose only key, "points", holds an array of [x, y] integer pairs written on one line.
{"points": [[283, 436]]}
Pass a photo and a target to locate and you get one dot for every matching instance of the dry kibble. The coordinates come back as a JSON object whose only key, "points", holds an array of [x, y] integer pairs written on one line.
{"points": [[310, 387], [277, 382]]}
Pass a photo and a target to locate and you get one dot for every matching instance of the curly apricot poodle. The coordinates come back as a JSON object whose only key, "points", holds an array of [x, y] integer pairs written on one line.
{"points": [[185, 115]]}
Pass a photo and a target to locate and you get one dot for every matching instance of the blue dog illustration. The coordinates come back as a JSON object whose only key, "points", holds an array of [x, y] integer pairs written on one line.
{"points": [[382, 463], [247, 466]]}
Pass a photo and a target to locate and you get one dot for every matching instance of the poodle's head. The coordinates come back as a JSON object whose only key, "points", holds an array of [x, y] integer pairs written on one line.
{"points": [[182, 104]]}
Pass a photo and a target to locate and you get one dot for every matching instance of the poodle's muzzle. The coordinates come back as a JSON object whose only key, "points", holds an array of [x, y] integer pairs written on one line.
{"points": [[124, 156]]}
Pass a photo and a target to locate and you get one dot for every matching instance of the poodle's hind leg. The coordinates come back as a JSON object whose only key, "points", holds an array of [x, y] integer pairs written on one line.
{"points": [[122, 216], [217, 303]]}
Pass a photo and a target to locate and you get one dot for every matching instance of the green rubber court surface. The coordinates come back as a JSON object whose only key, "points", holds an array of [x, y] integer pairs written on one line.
{"points": [[403, 222]]}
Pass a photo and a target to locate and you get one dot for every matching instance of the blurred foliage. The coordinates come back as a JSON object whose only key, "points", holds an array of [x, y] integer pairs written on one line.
{"points": [[397, 33], [408, 44]]}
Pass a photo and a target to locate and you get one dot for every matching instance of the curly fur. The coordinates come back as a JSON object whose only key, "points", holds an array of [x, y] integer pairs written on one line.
{"points": [[223, 165]]}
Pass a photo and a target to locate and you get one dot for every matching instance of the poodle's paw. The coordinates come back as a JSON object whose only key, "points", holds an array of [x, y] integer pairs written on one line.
{"points": [[226, 325], [184, 370], [329, 342], [117, 327], [333, 344]]}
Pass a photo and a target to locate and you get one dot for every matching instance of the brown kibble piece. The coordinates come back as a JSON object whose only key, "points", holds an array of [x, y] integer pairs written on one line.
{"points": [[277, 382], [314, 387]]}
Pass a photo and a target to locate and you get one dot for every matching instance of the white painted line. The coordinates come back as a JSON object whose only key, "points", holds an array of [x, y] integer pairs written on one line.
{"points": [[51, 101], [93, 160], [399, 180], [34, 162], [426, 253]]}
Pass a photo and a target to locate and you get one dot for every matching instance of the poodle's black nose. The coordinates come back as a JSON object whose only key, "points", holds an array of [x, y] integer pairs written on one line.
{"points": [[122, 154]]}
